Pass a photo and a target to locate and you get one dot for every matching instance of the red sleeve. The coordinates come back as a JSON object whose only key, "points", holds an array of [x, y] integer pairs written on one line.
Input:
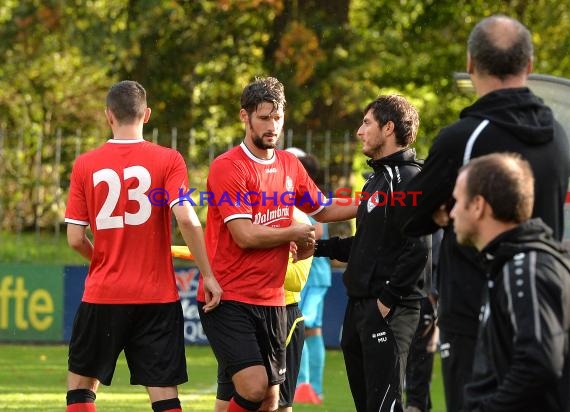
{"points": [[176, 180], [76, 210], [226, 181]]}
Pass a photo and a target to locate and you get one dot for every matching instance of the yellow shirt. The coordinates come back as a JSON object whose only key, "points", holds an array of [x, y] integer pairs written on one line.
{"points": [[297, 273]]}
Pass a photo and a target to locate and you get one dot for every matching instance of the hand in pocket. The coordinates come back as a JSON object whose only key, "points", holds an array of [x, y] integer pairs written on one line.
{"points": [[384, 310]]}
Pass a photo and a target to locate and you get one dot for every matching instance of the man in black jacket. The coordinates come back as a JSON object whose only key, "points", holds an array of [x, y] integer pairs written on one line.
{"points": [[384, 271], [506, 117], [522, 360]]}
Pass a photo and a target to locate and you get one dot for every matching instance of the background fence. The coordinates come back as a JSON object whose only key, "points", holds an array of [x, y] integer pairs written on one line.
{"points": [[35, 167]]}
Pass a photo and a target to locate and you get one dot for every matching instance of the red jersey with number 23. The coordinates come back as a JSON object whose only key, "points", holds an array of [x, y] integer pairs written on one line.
{"points": [[242, 186], [124, 191]]}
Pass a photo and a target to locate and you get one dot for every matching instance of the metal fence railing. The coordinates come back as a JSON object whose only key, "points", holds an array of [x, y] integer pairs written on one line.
{"points": [[35, 167]]}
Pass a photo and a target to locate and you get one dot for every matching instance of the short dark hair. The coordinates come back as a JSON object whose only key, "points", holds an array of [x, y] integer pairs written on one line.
{"points": [[127, 101], [500, 46], [397, 109], [505, 181], [311, 165], [263, 89]]}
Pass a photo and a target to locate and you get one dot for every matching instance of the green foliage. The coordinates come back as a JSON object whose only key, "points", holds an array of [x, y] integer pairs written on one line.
{"points": [[194, 57]]}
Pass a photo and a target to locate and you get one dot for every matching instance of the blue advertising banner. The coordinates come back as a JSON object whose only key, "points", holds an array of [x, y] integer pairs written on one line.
{"points": [[36, 305], [333, 313], [186, 280], [73, 282]]}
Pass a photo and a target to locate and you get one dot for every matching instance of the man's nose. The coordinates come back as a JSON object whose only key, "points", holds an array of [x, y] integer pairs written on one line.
{"points": [[275, 124]]}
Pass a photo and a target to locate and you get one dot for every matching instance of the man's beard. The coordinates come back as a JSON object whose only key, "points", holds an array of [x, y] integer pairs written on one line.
{"points": [[260, 144], [374, 152], [258, 140], [466, 238]]}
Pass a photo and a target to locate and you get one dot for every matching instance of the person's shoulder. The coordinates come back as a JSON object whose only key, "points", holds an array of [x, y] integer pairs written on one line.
{"points": [[288, 161], [540, 261], [159, 150], [452, 139], [408, 165], [409, 170], [285, 155], [552, 270], [165, 157], [462, 127], [234, 154], [87, 157], [557, 261], [229, 161]]}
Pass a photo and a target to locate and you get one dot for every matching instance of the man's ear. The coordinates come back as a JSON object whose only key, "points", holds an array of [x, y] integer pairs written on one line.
{"points": [[469, 66], [147, 112], [389, 126], [243, 115], [110, 117], [480, 206], [529, 66]]}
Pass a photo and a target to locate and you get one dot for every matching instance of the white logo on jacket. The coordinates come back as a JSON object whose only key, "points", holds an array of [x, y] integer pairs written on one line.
{"points": [[372, 202]]}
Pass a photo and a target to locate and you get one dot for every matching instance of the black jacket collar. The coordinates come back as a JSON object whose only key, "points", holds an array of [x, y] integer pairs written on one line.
{"points": [[530, 235], [404, 156]]}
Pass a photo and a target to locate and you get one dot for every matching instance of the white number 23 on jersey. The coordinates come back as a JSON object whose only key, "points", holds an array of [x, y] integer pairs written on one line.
{"points": [[104, 220]]}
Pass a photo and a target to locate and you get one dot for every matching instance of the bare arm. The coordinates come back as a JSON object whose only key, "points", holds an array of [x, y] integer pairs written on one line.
{"points": [[193, 235], [318, 231], [250, 236], [297, 274], [298, 270], [339, 209], [78, 240]]}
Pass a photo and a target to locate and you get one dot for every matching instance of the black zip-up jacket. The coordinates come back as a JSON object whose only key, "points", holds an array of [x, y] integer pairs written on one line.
{"points": [[518, 122], [382, 263], [522, 361]]}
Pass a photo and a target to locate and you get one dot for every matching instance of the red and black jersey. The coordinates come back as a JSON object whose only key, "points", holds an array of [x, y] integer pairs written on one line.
{"points": [[242, 186], [124, 190]]}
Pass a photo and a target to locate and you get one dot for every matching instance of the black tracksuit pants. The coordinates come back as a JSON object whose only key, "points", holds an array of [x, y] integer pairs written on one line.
{"points": [[375, 352], [420, 361], [457, 353]]}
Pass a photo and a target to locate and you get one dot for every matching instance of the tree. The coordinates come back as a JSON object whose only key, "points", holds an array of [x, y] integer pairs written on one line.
{"points": [[194, 57]]}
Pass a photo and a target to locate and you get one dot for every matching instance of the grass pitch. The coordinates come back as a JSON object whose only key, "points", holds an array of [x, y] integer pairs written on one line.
{"points": [[32, 378]]}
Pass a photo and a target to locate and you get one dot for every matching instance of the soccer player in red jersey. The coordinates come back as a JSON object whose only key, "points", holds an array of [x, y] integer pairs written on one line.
{"points": [[126, 191], [254, 188]]}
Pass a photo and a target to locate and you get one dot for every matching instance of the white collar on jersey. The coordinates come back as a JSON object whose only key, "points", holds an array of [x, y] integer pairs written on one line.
{"points": [[255, 158], [125, 141]]}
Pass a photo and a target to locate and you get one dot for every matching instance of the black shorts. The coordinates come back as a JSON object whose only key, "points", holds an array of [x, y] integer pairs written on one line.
{"points": [[295, 341], [152, 336], [243, 335]]}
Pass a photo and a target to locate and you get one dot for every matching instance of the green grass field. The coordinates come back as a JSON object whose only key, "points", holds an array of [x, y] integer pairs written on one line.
{"points": [[32, 378], [31, 248]]}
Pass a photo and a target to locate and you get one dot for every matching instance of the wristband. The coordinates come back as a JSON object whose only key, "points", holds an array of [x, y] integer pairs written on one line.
{"points": [[316, 250]]}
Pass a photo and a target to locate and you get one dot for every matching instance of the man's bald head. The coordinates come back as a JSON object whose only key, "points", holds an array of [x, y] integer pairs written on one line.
{"points": [[500, 46]]}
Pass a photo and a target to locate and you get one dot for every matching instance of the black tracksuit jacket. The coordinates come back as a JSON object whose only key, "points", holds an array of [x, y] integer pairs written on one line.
{"points": [[519, 122], [382, 262], [522, 361]]}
